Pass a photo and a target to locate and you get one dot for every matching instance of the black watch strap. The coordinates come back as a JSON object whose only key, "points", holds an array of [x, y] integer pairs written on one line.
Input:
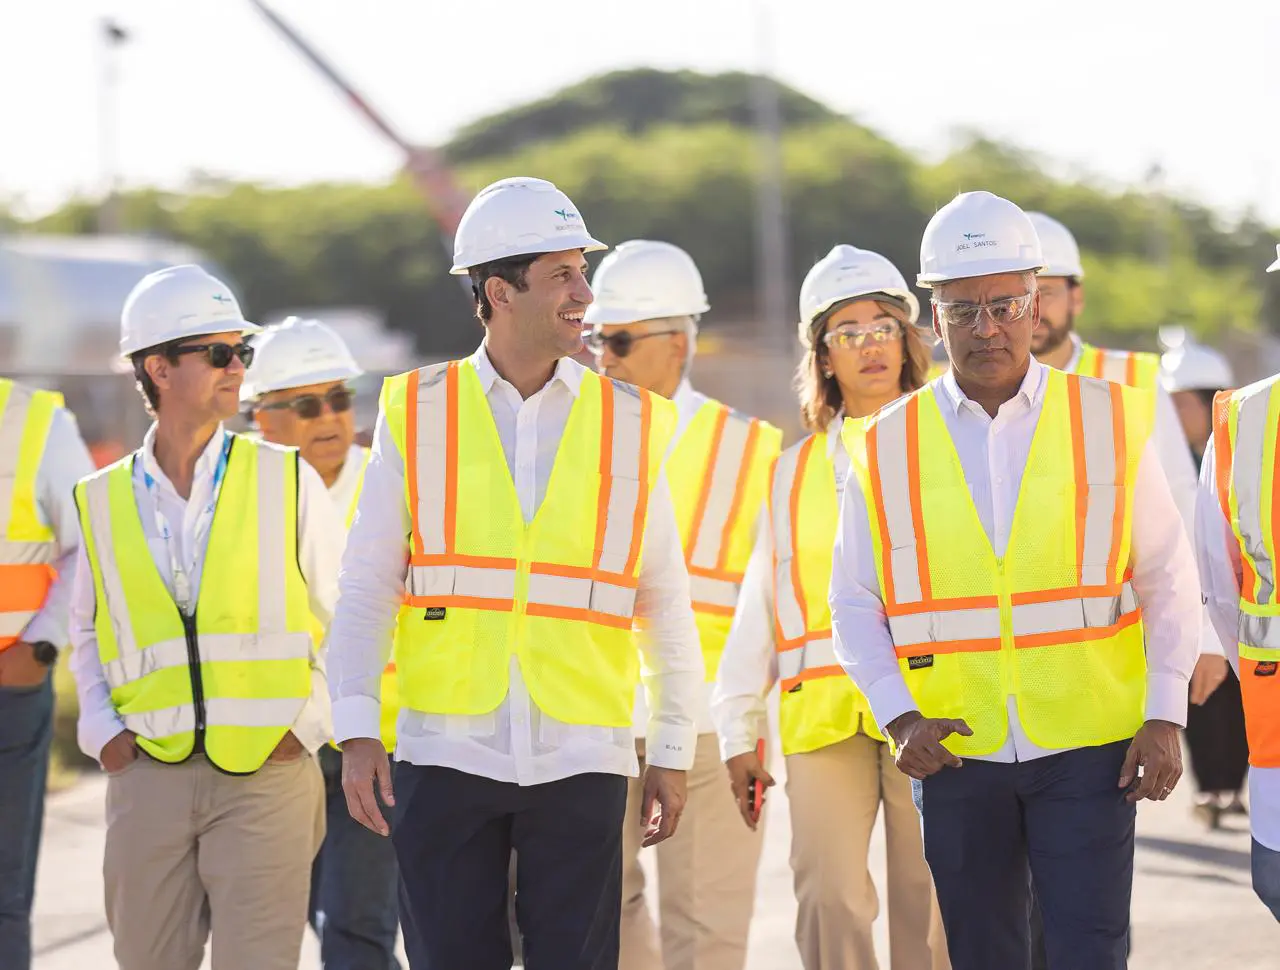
{"points": [[44, 652]]}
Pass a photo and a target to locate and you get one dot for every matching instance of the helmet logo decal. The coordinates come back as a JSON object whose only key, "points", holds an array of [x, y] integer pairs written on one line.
{"points": [[221, 298]]}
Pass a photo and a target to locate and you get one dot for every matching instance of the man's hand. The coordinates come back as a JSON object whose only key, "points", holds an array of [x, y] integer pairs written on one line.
{"points": [[664, 790], [289, 749], [365, 763], [919, 743], [20, 668], [1210, 672], [120, 752], [744, 769], [1157, 749]]}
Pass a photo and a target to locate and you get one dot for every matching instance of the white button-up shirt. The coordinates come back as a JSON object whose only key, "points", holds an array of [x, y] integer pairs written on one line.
{"points": [[749, 665], [993, 454], [65, 461], [1218, 556], [516, 742], [319, 553]]}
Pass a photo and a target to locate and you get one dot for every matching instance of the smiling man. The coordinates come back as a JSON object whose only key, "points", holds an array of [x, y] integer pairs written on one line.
{"points": [[513, 528], [998, 533]]}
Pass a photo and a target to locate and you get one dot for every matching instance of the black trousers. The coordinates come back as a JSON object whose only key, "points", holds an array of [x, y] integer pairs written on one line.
{"points": [[1216, 739], [454, 834]]}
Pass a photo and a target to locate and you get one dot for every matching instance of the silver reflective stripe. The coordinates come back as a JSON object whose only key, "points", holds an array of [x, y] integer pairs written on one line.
{"points": [[1262, 632], [945, 626], [432, 417], [581, 593], [787, 606], [27, 553], [1100, 473], [13, 421], [219, 712], [98, 499], [1115, 366], [813, 655], [895, 485], [625, 474], [1246, 478], [214, 648], [475, 581], [271, 543], [714, 592], [14, 622], [726, 467]]}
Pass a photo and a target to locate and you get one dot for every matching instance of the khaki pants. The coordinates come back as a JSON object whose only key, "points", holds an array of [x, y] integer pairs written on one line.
{"points": [[834, 794], [706, 877], [191, 851]]}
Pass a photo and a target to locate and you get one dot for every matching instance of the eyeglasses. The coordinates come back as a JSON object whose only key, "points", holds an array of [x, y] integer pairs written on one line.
{"points": [[218, 355], [310, 406], [1003, 313], [619, 343], [846, 338]]}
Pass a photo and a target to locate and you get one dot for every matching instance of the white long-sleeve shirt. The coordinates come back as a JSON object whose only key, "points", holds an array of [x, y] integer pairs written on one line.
{"points": [[516, 742], [1218, 557], [749, 666], [993, 454], [65, 461], [319, 554]]}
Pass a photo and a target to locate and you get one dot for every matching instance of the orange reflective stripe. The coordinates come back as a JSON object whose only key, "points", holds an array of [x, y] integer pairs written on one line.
{"points": [[942, 604], [913, 476], [1222, 445], [630, 581], [882, 521], [704, 493], [714, 609], [606, 467], [25, 587], [461, 559], [572, 613], [1131, 370], [810, 673], [802, 465], [739, 492], [1081, 471], [1122, 458], [797, 642], [411, 456], [1076, 636], [462, 602], [725, 575], [451, 458], [642, 500], [1031, 597], [947, 646]]}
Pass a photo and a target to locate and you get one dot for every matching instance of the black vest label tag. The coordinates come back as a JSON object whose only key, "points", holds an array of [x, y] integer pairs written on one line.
{"points": [[1265, 669], [919, 663], [434, 613]]}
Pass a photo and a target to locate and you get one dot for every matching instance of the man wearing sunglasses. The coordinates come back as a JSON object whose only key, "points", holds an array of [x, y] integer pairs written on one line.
{"points": [[208, 565], [1015, 594], [297, 394], [648, 298]]}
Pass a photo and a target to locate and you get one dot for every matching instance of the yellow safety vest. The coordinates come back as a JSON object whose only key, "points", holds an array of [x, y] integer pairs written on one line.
{"points": [[1054, 622], [558, 593], [718, 472], [27, 546], [1246, 423], [237, 674], [1128, 367], [819, 704]]}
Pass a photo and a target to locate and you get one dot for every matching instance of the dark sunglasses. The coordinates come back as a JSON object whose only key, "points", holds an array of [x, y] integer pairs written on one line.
{"points": [[311, 406], [619, 343], [218, 355]]}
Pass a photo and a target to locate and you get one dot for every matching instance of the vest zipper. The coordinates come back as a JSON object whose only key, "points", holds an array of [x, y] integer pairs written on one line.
{"points": [[197, 679]]}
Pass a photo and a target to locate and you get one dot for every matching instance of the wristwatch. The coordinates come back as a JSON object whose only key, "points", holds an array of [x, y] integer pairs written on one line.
{"points": [[44, 652]]}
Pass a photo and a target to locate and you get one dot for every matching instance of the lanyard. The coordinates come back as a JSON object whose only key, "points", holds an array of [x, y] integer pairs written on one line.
{"points": [[182, 572]]}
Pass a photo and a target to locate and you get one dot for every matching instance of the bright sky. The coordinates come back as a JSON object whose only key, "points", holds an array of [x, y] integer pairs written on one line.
{"points": [[1101, 86]]}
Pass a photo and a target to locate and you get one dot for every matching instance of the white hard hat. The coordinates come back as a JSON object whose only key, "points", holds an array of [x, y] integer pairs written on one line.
{"points": [[1275, 267], [644, 280], [977, 234], [1194, 367], [1061, 254], [175, 303], [518, 217], [296, 353], [843, 274]]}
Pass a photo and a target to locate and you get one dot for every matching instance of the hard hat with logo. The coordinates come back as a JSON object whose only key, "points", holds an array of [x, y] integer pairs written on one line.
{"points": [[977, 234], [1275, 267], [518, 217], [175, 303], [1061, 254], [644, 280], [844, 274], [297, 353]]}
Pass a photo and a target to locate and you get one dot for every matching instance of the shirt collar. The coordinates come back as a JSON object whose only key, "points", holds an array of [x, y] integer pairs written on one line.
{"points": [[568, 371], [1030, 390], [205, 464], [686, 399], [833, 433]]}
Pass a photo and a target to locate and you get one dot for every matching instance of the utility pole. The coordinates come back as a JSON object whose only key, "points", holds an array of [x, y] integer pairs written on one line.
{"points": [[109, 217], [772, 285]]}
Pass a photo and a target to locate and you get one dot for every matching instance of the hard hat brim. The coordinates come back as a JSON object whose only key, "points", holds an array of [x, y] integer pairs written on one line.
{"points": [[243, 327], [610, 315], [982, 267], [586, 243], [1274, 267], [250, 391]]}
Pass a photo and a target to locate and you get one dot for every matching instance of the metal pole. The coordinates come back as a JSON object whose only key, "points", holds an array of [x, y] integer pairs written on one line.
{"points": [[772, 287], [109, 220]]}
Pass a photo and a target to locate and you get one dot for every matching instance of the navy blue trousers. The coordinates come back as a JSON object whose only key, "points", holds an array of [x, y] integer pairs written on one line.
{"points": [[1060, 822], [454, 833]]}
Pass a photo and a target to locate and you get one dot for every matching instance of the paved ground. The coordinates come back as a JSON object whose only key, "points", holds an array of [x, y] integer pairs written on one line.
{"points": [[1193, 907]]}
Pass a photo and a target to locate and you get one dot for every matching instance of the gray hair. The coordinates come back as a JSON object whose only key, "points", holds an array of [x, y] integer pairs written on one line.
{"points": [[687, 325]]}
